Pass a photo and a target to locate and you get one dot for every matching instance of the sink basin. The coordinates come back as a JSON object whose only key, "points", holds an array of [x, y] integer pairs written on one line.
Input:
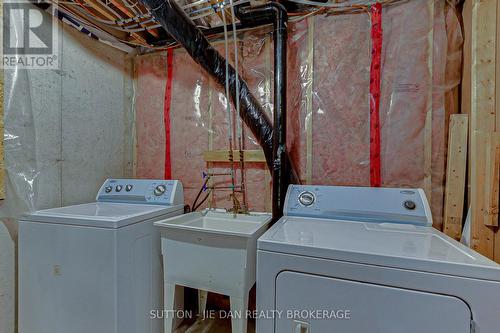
{"points": [[218, 222], [212, 251]]}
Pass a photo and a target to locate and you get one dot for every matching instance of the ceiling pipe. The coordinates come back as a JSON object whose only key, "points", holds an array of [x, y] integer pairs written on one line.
{"points": [[182, 29]]}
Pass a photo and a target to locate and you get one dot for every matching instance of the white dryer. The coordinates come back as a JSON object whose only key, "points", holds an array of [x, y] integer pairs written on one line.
{"points": [[96, 267], [356, 260]]}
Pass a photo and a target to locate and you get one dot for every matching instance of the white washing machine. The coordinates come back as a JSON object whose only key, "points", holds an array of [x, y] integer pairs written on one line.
{"points": [[356, 260], [97, 267]]}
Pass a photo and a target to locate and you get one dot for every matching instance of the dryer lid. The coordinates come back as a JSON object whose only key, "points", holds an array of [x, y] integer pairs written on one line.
{"points": [[101, 214], [384, 244]]}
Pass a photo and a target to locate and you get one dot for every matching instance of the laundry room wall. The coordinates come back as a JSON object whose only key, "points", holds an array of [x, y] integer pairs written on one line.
{"points": [[66, 131], [328, 106]]}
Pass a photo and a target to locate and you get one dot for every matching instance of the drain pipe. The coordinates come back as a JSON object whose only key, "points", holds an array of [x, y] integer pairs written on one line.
{"points": [[277, 14], [182, 29]]}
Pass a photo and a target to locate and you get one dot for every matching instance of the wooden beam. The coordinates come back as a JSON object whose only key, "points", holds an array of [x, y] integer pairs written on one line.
{"points": [[481, 15], [120, 6], [105, 11], [466, 97], [483, 65], [482, 239], [492, 180], [497, 65], [496, 255], [455, 175], [250, 156]]}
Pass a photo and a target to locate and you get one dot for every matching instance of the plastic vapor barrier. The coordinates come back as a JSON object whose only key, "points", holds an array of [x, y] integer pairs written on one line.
{"points": [[21, 170], [329, 60]]}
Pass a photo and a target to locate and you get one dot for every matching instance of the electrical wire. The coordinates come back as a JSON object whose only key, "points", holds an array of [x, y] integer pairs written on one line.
{"points": [[202, 202], [87, 23], [203, 187], [119, 24], [143, 20]]}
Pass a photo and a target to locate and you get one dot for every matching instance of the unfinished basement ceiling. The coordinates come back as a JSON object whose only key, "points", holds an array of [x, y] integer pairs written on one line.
{"points": [[128, 23]]}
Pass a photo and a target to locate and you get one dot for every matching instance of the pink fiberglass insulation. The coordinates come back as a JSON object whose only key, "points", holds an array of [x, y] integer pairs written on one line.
{"points": [[151, 74], [328, 102]]}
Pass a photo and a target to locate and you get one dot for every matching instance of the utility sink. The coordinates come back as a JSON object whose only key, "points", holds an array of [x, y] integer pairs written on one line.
{"points": [[213, 251], [218, 222]]}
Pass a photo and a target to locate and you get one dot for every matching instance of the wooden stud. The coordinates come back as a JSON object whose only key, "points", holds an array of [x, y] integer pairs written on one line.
{"points": [[428, 118], [251, 156], [466, 97], [492, 179], [482, 116], [455, 175], [482, 239], [497, 68], [483, 65], [496, 255]]}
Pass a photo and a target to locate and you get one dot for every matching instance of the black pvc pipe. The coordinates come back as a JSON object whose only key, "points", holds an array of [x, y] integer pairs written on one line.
{"points": [[281, 166], [182, 29]]}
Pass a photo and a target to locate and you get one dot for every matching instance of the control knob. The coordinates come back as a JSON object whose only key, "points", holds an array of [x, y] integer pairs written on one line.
{"points": [[307, 198], [159, 190], [118, 188], [108, 189], [128, 188], [409, 204]]}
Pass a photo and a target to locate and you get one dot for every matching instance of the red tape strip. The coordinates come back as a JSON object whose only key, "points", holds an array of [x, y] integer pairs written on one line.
{"points": [[375, 82], [166, 113]]}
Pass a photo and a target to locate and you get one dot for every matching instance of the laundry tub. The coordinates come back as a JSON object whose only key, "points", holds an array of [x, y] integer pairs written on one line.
{"points": [[212, 251]]}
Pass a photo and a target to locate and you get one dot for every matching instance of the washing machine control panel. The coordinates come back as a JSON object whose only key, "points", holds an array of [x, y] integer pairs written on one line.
{"points": [[144, 191], [366, 204]]}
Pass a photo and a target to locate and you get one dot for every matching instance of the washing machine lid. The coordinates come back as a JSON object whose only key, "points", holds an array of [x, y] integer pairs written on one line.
{"points": [[102, 214], [383, 244]]}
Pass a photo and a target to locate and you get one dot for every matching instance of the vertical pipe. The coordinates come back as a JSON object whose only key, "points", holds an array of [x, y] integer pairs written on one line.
{"points": [[280, 86], [281, 167]]}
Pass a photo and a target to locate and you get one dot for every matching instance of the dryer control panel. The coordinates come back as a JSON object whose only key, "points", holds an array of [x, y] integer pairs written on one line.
{"points": [[142, 191], [365, 204]]}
